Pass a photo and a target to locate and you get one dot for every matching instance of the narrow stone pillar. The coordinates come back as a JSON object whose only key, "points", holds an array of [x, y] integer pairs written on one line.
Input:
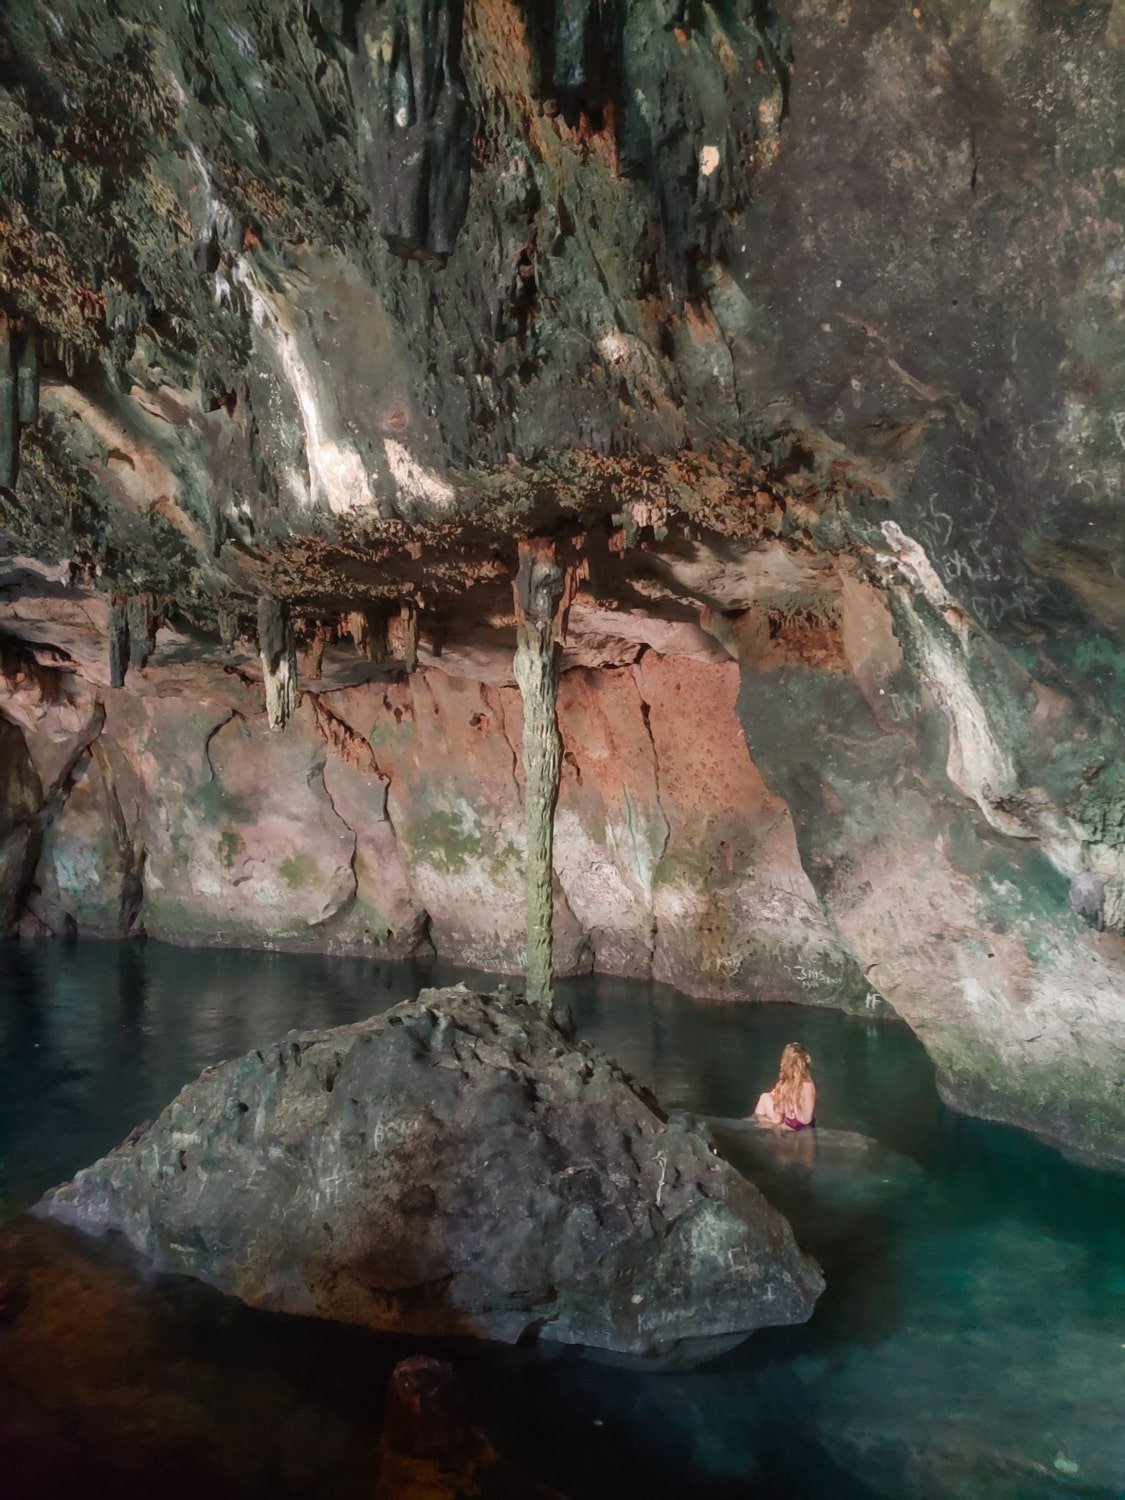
{"points": [[538, 594], [368, 628], [279, 662]]}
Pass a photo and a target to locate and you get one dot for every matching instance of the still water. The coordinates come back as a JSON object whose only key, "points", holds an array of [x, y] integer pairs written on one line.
{"points": [[971, 1341]]}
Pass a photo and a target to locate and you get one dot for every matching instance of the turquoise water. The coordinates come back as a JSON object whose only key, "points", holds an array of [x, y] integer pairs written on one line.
{"points": [[971, 1341]]}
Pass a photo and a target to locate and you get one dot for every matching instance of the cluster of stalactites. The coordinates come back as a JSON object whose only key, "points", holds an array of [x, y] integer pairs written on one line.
{"points": [[375, 632], [19, 390]]}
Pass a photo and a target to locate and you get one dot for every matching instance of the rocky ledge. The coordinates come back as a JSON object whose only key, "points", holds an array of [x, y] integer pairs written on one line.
{"points": [[454, 1167]]}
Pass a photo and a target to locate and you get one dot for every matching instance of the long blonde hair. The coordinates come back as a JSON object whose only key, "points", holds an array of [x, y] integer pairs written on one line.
{"points": [[795, 1069]]}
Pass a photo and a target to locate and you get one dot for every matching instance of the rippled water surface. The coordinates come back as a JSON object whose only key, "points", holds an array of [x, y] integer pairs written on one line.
{"points": [[971, 1341]]}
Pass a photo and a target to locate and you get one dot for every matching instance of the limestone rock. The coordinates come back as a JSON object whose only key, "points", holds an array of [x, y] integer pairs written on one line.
{"points": [[803, 316], [454, 1167]]}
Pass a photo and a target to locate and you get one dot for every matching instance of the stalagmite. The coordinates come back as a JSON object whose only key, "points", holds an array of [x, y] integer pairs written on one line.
{"points": [[378, 644], [538, 593], [279, 662], [313, 660], [9, 427], [118, 627]]}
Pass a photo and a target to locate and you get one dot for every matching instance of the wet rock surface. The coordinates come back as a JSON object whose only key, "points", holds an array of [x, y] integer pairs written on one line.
{"points": [[452, 1168], [835, 1165], [795, 323], [118, 1383]]}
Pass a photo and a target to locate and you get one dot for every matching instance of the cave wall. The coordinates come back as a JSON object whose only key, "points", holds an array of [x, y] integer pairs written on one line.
{"points": [[387, 819], [796, 326], [944, 868]]}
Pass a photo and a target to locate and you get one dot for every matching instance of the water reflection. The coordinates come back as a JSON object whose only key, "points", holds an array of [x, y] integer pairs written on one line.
{"points": [[971, 1340]]}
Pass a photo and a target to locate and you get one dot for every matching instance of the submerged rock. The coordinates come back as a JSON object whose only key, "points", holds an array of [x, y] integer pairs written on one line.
{"points": [[454, 1167], [841, 1166], [430, 1450]]}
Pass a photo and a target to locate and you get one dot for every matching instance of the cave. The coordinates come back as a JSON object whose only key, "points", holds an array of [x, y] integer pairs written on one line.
{"points": [[617, 500]]}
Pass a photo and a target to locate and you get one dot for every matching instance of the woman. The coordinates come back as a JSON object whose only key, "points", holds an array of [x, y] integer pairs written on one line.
{"points": [[792, 1100]]}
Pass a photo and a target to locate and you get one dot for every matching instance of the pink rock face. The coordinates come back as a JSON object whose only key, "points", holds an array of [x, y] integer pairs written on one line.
{"points": [[246, 838], [611, 833], [389, 815], [673, 853], [453, 805], [80, 870], [734, 909]]}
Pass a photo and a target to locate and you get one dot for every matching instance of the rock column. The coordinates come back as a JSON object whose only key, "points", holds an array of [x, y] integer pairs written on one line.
{"points": [[538, 594]]}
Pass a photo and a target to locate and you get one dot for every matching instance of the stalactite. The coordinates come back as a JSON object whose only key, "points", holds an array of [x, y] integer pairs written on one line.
{"points": [[378, 645], [572, 20], [368, 630], [27, 375], [322, 636], [538, 593], [228, 626], [279, 662], [142, 629], [409, 617], [416, 123], [118, 641], [355, 624], [9, 426]]}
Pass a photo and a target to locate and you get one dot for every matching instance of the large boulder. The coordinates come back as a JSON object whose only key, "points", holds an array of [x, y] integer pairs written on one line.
{"points": [[455, 1166]]}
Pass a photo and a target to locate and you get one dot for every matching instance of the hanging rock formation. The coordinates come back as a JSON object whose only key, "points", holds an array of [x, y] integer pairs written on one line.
{"points": [[415, 125], [793, 326], [279, 663]]}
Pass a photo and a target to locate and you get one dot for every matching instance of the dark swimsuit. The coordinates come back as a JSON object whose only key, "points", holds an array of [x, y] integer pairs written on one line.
{"points": [[795, 1124]]}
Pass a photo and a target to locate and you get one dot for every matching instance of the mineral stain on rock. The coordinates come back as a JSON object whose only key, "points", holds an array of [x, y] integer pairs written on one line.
{"points": [[455, 1167]]}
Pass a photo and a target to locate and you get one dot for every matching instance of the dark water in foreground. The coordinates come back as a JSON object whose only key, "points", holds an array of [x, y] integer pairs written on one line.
{"points": [[971, 1341]]}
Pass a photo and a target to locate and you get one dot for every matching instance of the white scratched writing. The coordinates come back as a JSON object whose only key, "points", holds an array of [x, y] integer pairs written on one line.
{"points": [[990, 581]]}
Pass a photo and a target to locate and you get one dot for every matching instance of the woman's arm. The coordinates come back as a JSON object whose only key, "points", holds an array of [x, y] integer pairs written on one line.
{"points": [[806, 1103], [766, 1109]]}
